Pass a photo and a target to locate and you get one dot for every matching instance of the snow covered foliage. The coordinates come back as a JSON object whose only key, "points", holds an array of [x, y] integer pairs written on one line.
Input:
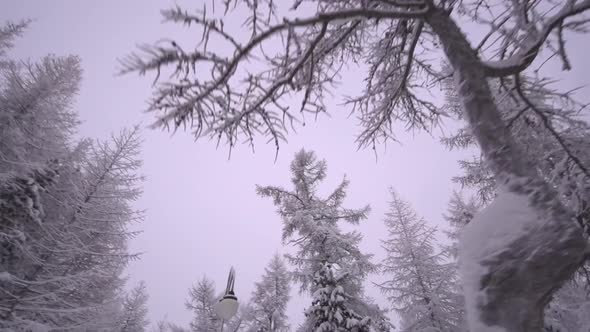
{"points": [[569, 308], [328, 307], [201, 302], [419, 283], [268, 305], [311, 223], [135, 310], [67, 267], [65, 206], [37, 119], [460, 212], [551, 129], [8, 33]]}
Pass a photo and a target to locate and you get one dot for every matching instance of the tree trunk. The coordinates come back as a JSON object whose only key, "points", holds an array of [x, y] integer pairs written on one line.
{"points": [[521, 278]]}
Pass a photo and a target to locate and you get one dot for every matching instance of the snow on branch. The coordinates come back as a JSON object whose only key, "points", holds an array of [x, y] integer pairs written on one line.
{"points": [[225, 98], [534, 39]]}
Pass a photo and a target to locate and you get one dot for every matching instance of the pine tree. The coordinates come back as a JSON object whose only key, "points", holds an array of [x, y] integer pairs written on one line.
{"points": [[135, 310], [268, 304], [64, 205], [37, 122], [72, 259], [419, 284], [329, 308], [551, 129], [312, 223], [201, 302], [8, 33], [460, 213]]}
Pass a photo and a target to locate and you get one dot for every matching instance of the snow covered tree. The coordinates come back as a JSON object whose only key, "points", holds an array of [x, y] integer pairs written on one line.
{"points": [[65, 206], [135, 310], [8, 33], [312, 224], [459, 214], [70, 262], [419, 285], [201, 302], [553, 131], [328, 306], [268, 305], [551, 128], [37, 121], [246, 89]]}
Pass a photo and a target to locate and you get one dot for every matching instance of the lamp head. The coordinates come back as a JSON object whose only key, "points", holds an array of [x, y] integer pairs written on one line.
{"points": [[227, 306]]}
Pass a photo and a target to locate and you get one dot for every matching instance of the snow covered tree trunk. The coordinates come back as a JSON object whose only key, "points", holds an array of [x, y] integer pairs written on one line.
{"points": [[523, 274]]}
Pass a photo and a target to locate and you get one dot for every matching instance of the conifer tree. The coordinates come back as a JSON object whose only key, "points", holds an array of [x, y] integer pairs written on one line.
{"points": [[268, 306], [312, 223], [65, 205], [419, 284], [135, 310], [201, 302]]}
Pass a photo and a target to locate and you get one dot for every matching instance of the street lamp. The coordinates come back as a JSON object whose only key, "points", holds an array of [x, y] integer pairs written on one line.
{"points": [[227, 306]]}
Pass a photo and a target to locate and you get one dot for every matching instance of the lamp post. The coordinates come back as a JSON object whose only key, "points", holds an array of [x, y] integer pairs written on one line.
{"points": [[227, 306]]}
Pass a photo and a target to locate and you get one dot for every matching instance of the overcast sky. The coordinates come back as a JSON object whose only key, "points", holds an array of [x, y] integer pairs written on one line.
{"points": [[203, 215]]}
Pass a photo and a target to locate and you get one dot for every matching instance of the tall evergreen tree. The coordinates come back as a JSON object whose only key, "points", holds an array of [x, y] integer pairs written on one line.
{"points": [[419, 284], [312, 223], [268, 305], [67, 268], [328, 306], [201, 302], [64, 206], [135, 310]]}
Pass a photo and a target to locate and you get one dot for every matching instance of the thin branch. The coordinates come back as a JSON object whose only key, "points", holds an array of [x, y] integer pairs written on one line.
{"points": [[548, 126], [529, 51]]}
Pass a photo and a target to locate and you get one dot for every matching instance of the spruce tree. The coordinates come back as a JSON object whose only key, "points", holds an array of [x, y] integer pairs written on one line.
{"points": [[313, 225], [419, 284]]}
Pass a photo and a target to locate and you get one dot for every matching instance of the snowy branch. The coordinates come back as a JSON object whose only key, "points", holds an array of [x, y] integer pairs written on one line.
{"points": [[532, 43]]}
